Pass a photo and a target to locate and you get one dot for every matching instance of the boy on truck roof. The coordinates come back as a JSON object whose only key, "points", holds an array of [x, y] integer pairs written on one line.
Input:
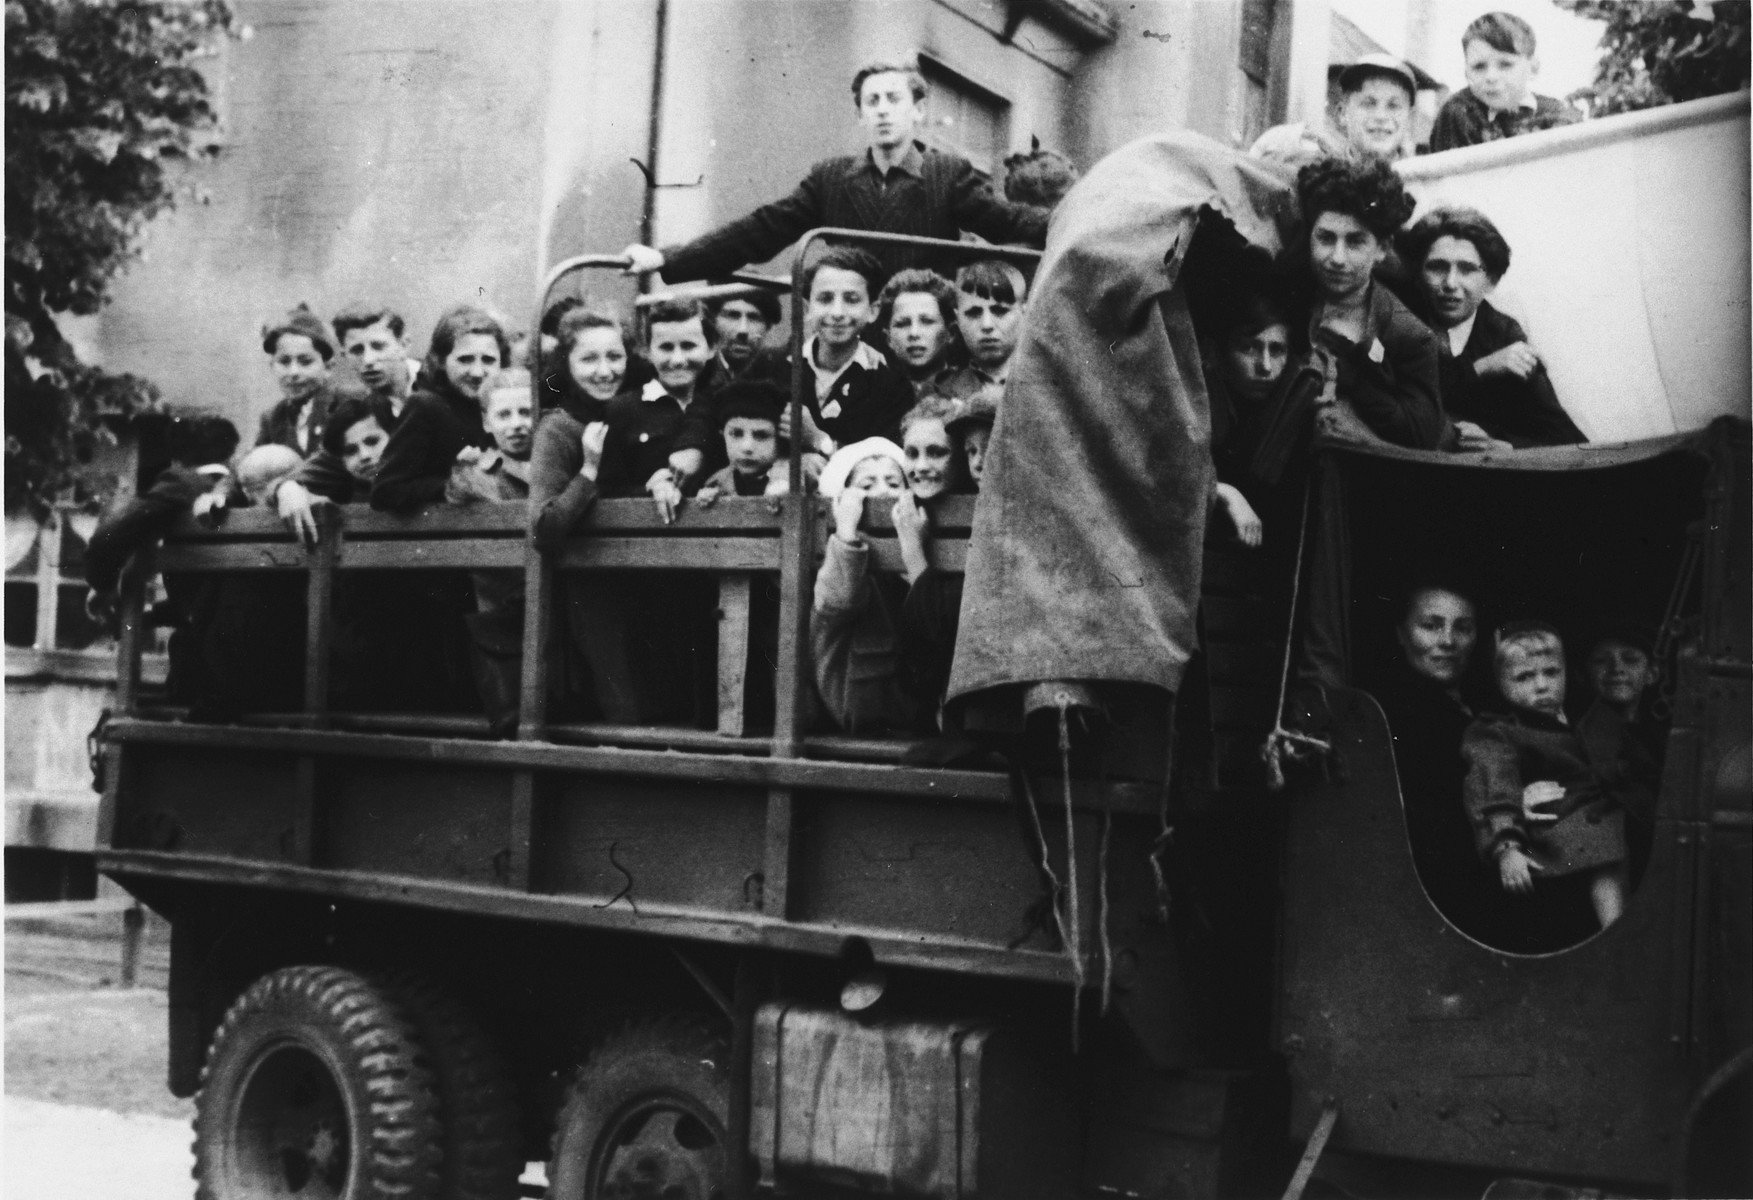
{"points": [[897, 185], [1498, 101], [1374, 118]]}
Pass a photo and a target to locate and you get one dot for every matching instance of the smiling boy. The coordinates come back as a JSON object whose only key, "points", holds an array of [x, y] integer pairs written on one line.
{"points": [[1497, 101], [897, 185], [1373, 120], [858, 393]]}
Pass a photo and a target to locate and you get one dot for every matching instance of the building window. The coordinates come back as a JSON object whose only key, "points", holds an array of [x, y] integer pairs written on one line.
{"points": [[1254, 57], [45, 588], [964, 117]]}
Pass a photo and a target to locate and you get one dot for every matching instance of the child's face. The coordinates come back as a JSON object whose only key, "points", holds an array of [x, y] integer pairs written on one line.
{"points": [[839, 305], [878, 477], [1498, 77], [917, 331], [474, 357], [1438, 635], [510, 418], [298, 367], [741, 330], [1343, 253], [1376, 116], [1619, 673], [752, 444], [931, 456], [1254, 361], [989, 328], [1454, 280], [380, 356], [598, 362], [679, 350], [974, 439], [362, 449], [1533, 678]]}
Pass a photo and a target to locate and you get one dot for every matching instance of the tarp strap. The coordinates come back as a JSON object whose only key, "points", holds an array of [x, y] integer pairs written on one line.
{"points": [[1284, 743]]}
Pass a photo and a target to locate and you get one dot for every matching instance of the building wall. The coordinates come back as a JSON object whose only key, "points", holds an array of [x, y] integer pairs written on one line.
{"points": [[424, 152]]}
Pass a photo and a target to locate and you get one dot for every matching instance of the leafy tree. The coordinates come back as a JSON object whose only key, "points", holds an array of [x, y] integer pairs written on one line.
{"points": [[1657, 52], [102, 100]]}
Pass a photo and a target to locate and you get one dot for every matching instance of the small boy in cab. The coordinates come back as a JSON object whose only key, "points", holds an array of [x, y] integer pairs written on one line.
{"points": [[1545, 802], [748, 416], [1497, 101]]}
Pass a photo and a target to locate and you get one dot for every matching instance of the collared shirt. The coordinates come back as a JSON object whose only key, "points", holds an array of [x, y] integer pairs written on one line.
{"points": [[863, 354], [911, 163], [1458, 334]]}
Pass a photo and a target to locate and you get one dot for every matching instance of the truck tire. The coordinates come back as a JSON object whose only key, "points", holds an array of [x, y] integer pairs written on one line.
{"points": [[646, 1116], [313, 1089], [477, 1099]]}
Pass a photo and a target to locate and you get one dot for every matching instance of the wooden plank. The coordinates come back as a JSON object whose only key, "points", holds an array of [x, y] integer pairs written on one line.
{"points": [[951, 517], [318, 617], [538, 608], [734, 591], [946, 555], [720, 554], [776, 855], [877, 779], [890, 948], [232, 556], [738, 515], [426, 554], [306, 773], [523, 821]]}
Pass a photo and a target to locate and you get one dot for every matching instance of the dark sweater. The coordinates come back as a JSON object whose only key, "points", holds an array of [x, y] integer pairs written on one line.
{"points": [[436, 423], [1391, 377], [1466, 120], [929, 194], [1522, 412], [139, 522]]}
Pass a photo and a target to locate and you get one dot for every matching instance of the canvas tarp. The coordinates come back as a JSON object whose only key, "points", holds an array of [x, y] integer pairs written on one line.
{"points": [[1086, 552]]}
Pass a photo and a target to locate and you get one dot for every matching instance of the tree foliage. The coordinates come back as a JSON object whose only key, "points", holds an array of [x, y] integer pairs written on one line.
{"points": [[102, 100], [1657, 52]]}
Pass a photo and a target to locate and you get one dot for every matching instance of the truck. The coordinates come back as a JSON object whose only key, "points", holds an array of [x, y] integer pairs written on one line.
{"points": [[407, 958]]}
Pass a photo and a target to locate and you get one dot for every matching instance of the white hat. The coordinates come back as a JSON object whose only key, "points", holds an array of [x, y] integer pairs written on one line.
{"points": [[840, 464]]}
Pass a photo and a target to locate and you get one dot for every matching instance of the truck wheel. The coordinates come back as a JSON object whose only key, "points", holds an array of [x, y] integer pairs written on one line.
{"points": [[483, 1149], [645, 1117], [313, 1089]]}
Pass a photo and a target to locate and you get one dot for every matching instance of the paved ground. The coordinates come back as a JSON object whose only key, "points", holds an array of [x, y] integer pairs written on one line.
{"points": [[86, 1110]]}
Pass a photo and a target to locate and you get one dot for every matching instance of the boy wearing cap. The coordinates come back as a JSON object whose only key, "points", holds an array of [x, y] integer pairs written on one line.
{"points": [[1497, 101], [748, 417], [972, 429], [299, 351], [1374, 119]]}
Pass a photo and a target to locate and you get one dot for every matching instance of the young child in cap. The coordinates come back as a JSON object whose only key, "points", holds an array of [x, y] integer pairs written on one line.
{"points": [[972, 429], [1545, 802], [748, 414], [1498, 101]]}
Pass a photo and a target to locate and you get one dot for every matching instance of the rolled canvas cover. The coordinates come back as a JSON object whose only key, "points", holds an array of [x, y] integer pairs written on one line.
{"points": [[1629, 266], [1085, 558]]}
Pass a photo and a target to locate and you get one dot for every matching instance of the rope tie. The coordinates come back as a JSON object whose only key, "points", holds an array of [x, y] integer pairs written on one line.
{"points": [[1074, 942], [1283, 744]]}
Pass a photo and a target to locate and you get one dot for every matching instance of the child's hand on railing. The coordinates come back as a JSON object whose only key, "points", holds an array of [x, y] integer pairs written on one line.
{"points": [[209, 508], [595, 434], [663, 488], [706, 497], [101, 607], [296, 507], [912, 523], [848, 512]]}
